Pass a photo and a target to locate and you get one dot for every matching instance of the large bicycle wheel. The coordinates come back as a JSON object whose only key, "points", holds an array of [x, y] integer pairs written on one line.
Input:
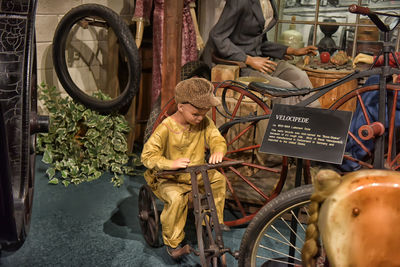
{"points": [[277, 233], [242, 120], [365, 128], [95, 23], [261, 177]]}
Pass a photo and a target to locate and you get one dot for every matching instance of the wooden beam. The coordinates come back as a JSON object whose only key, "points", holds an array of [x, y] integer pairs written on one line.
{"points": [[172, 49]]}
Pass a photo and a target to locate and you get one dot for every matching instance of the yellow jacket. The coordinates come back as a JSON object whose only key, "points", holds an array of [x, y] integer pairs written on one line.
{"points": [[171, 141]]}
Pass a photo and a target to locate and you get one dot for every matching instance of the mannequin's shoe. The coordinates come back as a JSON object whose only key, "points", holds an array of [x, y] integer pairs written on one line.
{"points": [[178, 252]]}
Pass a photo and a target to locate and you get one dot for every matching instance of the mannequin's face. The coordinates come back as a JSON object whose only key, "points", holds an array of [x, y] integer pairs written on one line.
{"points": [[191, 114]]}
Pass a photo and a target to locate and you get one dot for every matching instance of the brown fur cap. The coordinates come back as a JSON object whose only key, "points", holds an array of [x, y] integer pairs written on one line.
{"points": [[196, 91]]}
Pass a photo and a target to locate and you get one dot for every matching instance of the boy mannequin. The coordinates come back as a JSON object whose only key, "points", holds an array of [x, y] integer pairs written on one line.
{"points": [[179, 141]]}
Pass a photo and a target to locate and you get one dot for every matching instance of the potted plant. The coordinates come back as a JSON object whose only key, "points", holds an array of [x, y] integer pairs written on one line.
{"points": [[81, 143]]}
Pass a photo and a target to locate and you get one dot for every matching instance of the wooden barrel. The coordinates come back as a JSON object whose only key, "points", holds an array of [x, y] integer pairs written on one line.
{"points": [[320, 77]]}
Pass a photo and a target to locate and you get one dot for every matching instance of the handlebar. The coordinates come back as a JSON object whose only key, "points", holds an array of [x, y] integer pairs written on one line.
{"points": [[202, 167], [359, 10], [374, 17]]}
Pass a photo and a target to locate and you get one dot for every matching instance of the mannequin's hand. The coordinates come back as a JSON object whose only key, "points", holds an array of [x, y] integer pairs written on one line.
{"points": [[139, 33], [199, 43], [262, 64], [216, 158], [308, 50], [180, 163], [363, 58], [287, 57]]}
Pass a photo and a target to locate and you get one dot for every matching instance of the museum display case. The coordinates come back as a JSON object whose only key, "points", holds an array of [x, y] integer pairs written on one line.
{"points": [[329, 25]]}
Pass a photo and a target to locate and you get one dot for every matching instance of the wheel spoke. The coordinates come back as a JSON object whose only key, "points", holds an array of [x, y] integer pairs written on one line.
{"points": [[283, 236], [237, 106], [292, 230], [358, 141], [248, 128], [391, 128], [363, 108], [250, 183], [152, 227], [280, 253], [277, 260]]}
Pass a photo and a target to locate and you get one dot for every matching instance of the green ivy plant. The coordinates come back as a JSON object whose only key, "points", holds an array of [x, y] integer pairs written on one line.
{"points": [[81, 143]]}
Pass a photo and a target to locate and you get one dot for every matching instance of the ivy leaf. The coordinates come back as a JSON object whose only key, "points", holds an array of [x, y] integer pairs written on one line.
{"points": [[92, 134], [122, 127], [51, 172], [97, 174], [53, 181], [99, 146], [47, 157], [64, 174], [119, 145]]}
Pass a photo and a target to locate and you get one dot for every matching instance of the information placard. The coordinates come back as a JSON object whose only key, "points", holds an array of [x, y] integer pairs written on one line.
{"points": [[308, 133]]}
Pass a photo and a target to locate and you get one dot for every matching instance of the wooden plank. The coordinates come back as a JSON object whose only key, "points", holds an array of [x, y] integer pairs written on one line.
{"points": [[172, 49]]}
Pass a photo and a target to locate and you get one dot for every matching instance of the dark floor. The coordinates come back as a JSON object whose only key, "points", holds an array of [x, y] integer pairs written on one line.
{"points": [[93, 224]]}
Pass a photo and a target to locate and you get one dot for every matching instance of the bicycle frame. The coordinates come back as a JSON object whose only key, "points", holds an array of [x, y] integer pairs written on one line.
{"points": [[385, 71]]}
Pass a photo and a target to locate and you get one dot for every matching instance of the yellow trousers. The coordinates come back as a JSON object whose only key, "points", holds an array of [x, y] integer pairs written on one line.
{"points": [[174, 194]]}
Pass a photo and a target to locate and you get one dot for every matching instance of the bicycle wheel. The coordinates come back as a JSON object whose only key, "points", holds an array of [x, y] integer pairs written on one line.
{"points": [[91, 22], [277, 232], [149, 218], [365, 128], [261, 177]]}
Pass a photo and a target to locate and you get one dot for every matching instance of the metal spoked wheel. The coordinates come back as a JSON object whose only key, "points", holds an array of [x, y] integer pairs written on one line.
{"points": [[242, 119], [261, 177], [149, 217], [208, 249], [367, 129], [276, 234]]}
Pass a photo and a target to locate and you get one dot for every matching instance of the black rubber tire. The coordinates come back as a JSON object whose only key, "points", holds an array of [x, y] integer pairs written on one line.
{"points": [[126, 44], [286, 201], [189, 70]]}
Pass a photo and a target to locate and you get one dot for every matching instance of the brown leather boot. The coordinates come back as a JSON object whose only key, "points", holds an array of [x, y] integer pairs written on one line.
{"points": [[178, 252]]}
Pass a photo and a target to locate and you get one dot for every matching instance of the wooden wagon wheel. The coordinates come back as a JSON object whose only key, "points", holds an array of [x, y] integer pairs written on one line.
{"points": [[18, 127]]}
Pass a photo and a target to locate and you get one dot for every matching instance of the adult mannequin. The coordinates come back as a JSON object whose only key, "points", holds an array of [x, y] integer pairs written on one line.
{"points": [[240, 35]]}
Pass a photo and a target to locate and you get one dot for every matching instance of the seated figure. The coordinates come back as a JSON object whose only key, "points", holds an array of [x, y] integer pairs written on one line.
{"points": [[241, 35], [178, 142]]}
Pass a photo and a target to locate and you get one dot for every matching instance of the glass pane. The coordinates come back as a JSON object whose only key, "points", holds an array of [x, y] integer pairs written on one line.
{"points": [[302, 12], [384, 6], [370, 47], [337, 10]]}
